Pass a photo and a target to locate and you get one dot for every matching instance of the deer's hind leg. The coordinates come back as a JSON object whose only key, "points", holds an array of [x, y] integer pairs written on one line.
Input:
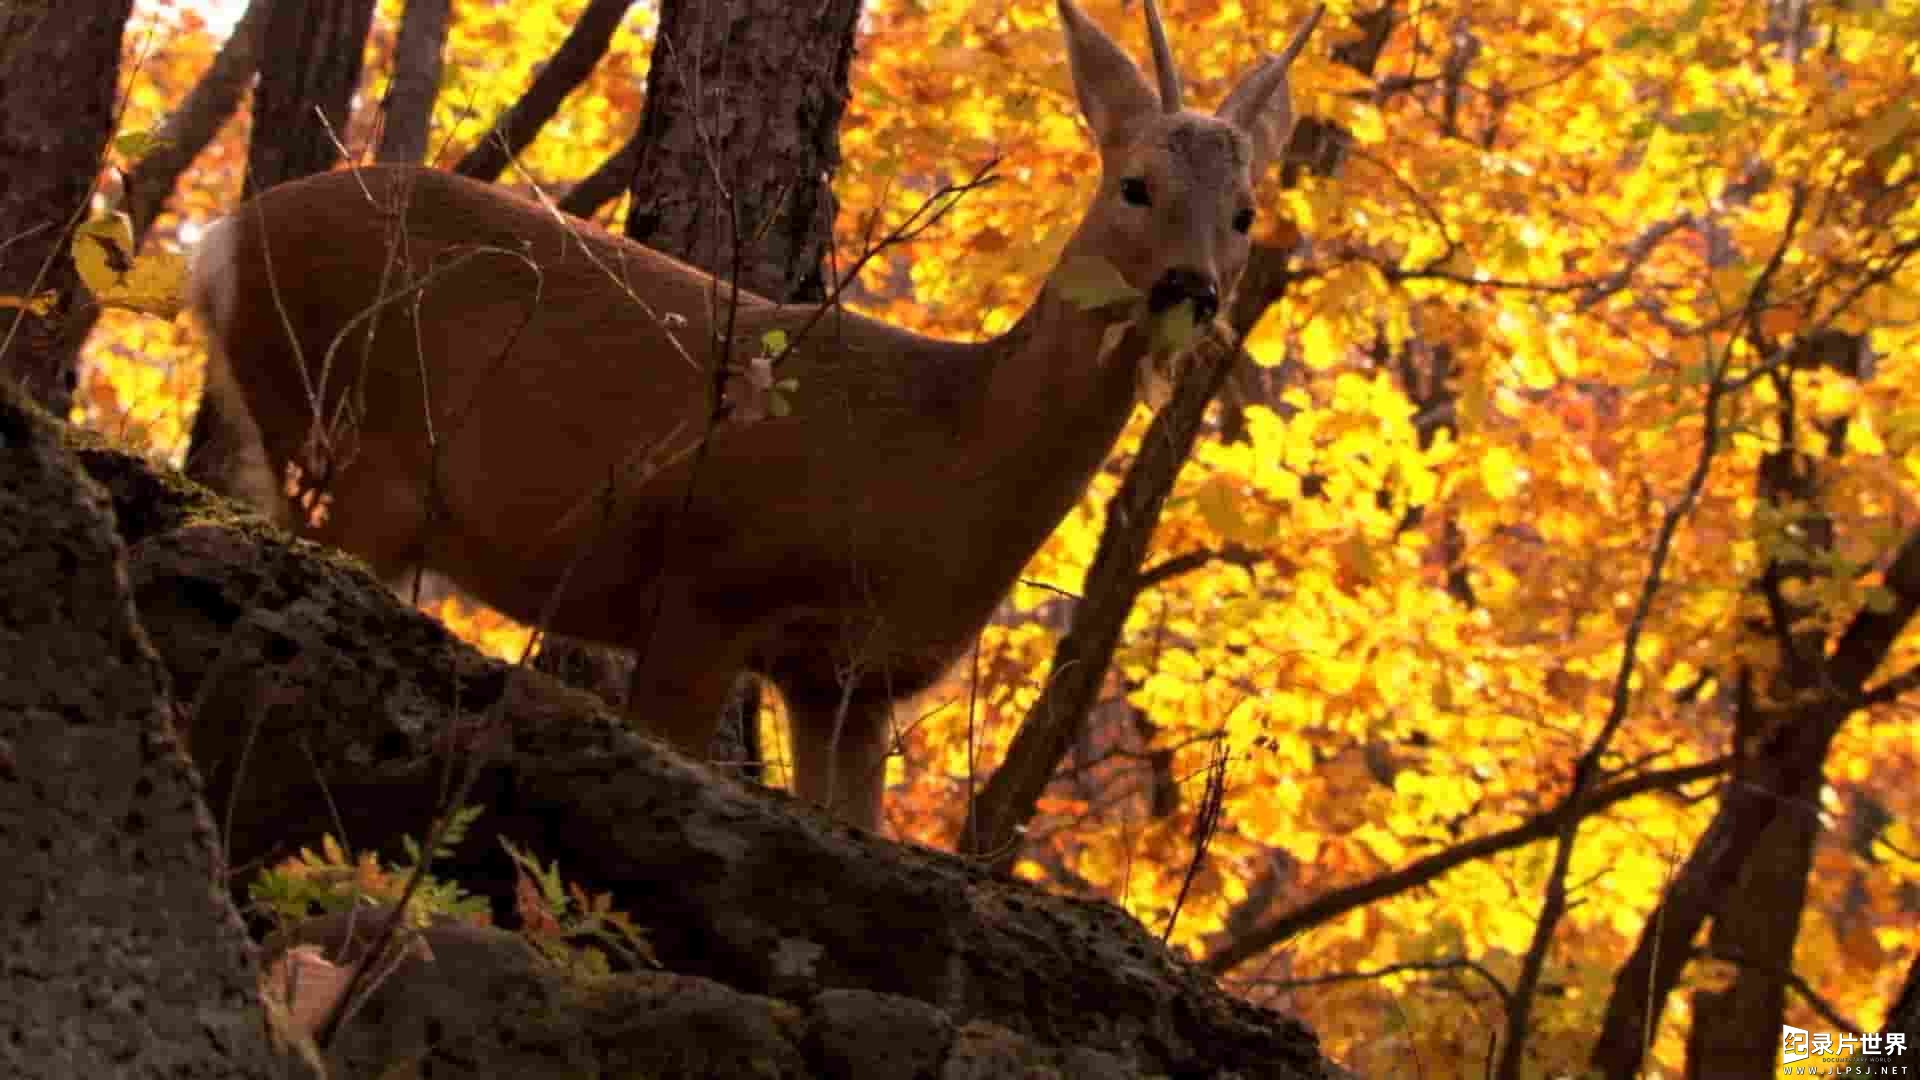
{"points": [[840, 746], [683, 673]]}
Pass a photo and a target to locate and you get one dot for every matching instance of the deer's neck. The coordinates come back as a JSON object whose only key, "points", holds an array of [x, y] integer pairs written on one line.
{"points": [[1056, 402]]}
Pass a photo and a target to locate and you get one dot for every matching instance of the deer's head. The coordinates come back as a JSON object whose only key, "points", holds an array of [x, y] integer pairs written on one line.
{"points": [[1175, 207]]}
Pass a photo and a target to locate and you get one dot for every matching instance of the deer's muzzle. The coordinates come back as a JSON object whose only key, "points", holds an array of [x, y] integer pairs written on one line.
{"points": [[1181, 284]]}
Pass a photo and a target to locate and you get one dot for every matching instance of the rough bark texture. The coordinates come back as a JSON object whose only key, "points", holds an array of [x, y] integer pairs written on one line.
{"points": [[567, 69], [188, 129], [740, 139], [316, 689], [123, 956], [316, 47], [59, 63], [416, 81]]}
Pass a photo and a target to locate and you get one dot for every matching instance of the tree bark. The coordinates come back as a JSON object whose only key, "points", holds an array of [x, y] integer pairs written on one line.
{"points": [[737, 181], [59, 65], [416, 81], [488, 1006], [305, 97], [566, 70], [1903, 1015]]}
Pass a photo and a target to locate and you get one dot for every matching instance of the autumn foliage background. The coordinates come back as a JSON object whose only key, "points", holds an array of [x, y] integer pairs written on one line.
{"points": [[1429, 538]]}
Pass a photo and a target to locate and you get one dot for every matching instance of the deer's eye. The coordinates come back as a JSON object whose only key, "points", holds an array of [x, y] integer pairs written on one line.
{"points": [[1134, 190], [1243, 221]]}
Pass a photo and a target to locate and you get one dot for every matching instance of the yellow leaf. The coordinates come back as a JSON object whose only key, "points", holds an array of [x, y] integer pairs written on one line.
{"points": [[1501, 472], [1322, 347], [152, 284]]}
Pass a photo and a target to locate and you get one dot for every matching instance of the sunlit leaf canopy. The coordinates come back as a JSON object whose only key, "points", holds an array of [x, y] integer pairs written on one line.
{"points": [[1554, 225]]}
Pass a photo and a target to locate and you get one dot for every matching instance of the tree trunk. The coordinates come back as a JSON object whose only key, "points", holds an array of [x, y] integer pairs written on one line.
{"points": [[59, 65], [416, 81], [1756, 927], [305, 97], [737, 182]]}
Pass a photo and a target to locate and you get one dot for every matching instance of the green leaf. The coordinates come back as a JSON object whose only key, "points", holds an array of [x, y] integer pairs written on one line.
{"points": [[1637, 36], [1174, 330], [1699, 122], [1090, 282], [135, 145], [774, 341]]}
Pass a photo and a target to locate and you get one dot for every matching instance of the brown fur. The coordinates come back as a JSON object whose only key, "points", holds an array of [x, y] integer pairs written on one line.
{"points": [[526, 417]]}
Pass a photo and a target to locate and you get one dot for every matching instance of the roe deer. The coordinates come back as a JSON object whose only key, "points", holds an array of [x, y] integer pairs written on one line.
{"points": [[471, 381]]}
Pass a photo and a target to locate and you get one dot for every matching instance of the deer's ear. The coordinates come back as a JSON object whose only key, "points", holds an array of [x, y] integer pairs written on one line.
{"points": [[1114, 95], [1262, 106]]}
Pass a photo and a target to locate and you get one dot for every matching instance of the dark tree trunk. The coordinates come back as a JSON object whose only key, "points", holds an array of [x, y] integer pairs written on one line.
{"points": [[305, 98], [416, 81], [737, 183], [1756, 927], [59, 65]]}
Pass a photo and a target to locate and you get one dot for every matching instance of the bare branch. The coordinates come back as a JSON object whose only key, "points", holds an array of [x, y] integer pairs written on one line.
{"points": [[188, 129], [417, 55], [569, 67], [1337, 903]]}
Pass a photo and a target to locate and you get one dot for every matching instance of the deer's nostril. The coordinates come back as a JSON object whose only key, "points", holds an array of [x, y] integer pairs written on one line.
{"points": [[1182, 284]]}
